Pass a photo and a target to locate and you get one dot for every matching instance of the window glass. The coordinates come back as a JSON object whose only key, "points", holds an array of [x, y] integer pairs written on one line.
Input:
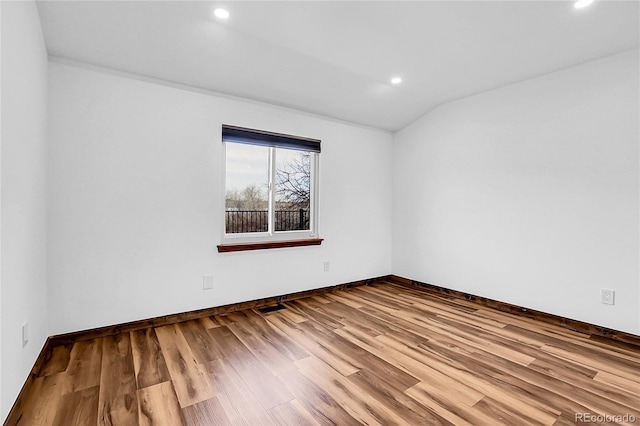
{"points": [[247, 188], [292, 207]]}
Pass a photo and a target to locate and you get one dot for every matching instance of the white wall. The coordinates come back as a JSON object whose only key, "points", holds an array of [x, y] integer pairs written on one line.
{"points": [[23, 274], [528, 194], [136, 204]]}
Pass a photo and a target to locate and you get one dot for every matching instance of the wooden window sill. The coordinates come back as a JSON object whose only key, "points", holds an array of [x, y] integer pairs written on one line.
{"points": [[226, 248]]}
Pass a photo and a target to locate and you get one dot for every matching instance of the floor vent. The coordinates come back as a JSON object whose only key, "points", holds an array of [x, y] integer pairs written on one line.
{"points": [[272, 308]]}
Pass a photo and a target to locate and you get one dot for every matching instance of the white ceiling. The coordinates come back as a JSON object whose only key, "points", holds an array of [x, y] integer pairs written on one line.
{"points": [[336, 58]]}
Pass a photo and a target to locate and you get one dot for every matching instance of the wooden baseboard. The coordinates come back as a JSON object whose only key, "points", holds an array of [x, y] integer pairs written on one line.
{"points": [[43, 357], [62, 339], [571, 324], [575, 325]]}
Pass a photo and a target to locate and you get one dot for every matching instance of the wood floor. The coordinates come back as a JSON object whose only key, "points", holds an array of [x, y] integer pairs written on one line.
{"points": [[381, 354]]}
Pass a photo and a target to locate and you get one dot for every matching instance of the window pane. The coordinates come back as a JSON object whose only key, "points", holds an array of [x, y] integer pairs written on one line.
{"points": [[247, 180], [292, 190]]}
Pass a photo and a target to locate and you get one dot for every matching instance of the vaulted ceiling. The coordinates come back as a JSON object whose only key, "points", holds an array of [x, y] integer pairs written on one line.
{"points": [[336, 58]]}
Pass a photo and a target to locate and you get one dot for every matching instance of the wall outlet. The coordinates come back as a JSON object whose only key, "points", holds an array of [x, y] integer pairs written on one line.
{"points": [[326, 266], [207, 282], [607, 296], [25, 334]]}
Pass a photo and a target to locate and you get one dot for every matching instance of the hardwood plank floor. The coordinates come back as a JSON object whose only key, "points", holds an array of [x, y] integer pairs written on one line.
{"points": [[380, 354], [150, 366], [187, 375], [117, 403]]}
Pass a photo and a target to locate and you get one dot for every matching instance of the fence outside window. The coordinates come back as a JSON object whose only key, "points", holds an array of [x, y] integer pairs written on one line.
{"points": [[245, 221]]}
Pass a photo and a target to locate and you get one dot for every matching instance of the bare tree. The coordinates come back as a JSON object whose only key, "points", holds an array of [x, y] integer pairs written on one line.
{"points": [[246, 210], [254, 198], [293, 182], [251, 197], [233, 200]]}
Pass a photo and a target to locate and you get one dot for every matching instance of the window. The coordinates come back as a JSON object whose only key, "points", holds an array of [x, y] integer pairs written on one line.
{"points": [[270, 186]]}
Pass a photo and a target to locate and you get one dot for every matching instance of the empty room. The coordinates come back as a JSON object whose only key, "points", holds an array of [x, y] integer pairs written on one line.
{"points": [[319, 212]]}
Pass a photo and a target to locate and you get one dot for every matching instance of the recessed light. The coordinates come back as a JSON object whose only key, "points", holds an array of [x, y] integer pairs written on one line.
{"points": [[582, 3], [221, 13], [396, 80]]}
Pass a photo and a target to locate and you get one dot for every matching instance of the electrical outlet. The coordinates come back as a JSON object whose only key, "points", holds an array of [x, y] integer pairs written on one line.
{"points": [[207, 282], [25, 334], [326, 266], [607, 296]]}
